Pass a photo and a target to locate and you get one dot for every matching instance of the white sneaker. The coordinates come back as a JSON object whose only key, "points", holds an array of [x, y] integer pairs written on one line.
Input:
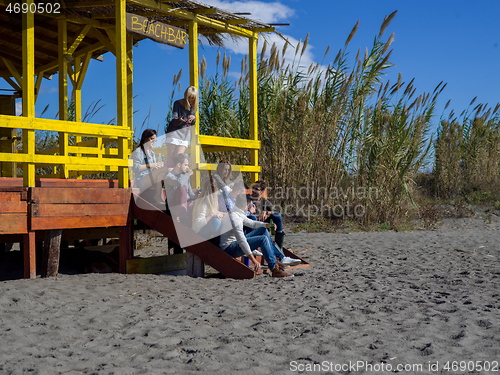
{"points": [[290, 261], [256, 253]]}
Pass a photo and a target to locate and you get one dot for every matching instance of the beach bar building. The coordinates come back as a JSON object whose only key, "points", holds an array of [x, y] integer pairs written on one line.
{"points": [[40, 39]]}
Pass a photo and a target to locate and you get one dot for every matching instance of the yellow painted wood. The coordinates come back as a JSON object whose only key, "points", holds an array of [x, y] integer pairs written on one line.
{"points": [[38, 83], [99, 150], [229, 142], [63, 90], [130, 92], [105, 41], [78, 39], [79, 76], [254, 116], [204, 21], [86, 147], [111, 44], [28, 85], [14, 85], [79, 53], [77, 99], [93, 22], [193, 54], [121, 86], [59, 159], [241, 168], [83, 70], [63, 68], [237, 21], [195, 148], [63, 151], [219, 148], [13, 71], [80, 128]]}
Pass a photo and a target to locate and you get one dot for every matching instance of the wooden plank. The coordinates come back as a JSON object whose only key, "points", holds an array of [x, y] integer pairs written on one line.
{"points": [[166, 263], [14, 223], [76, 183], [206, 251], [13, 207], [62, 195], [45, 223], [29, 254], [10, 196], [62, 210], [11, 182], [125, 251], [76, 128], [51, 253]]}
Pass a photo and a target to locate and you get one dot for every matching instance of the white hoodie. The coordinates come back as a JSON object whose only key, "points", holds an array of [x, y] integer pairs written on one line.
{"points": [[237, 220]]}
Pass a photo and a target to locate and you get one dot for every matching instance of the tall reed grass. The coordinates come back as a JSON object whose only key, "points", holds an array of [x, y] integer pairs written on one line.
{"points": [[343, 128], [467, 152]]}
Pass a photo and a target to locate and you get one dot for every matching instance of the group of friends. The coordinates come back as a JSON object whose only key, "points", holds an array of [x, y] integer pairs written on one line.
{"points": [[220, 211]]}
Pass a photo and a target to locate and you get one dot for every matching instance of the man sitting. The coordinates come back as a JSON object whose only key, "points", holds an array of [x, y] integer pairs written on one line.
{"points": [[235, 243], [262, 210], [180, 195]]}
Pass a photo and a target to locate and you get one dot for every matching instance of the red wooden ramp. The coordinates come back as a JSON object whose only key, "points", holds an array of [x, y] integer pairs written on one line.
{"points": [[206, 251]]}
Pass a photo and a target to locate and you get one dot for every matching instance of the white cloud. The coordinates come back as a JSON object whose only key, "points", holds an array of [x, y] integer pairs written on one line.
{"points": [[260, 11], [268, 13]]}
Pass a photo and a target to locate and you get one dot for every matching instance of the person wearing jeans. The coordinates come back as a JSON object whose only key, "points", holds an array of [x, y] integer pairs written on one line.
{"points": [[235, 243]]}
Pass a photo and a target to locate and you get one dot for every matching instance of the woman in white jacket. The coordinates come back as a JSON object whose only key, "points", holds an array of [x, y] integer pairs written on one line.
{"points": [[206, 216]]}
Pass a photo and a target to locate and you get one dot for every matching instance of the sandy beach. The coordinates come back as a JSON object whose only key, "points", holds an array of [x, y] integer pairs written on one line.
{"points": [[421, 302]]}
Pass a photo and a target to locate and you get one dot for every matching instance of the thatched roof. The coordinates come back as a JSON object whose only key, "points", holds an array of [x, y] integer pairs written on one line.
{"points": [[101, 15]]}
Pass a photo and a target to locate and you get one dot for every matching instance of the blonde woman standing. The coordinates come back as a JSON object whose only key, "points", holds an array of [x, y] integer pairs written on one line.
{"points": [[179, 128]]}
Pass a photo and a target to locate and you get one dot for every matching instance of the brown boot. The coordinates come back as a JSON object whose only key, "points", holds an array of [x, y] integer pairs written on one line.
{"points": [[277, 272]]}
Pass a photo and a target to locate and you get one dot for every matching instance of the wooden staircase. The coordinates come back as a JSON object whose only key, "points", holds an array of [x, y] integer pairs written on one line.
{"points": [[206, 251]]}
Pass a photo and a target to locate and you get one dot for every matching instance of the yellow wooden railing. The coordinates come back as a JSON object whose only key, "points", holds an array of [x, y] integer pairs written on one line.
{"points": [[83, 158]]}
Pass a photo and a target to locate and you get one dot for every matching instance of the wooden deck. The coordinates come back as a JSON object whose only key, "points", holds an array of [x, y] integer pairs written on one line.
{"points": [[86, 208], [27, 214]]}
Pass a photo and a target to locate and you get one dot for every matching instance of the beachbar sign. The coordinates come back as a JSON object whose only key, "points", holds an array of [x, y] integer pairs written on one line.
{"points": [[157, 31]]}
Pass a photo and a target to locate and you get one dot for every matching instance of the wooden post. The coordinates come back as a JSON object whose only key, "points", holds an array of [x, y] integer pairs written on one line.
{"points": [[7, 136], [122, 105], [51, 253], [194, 79], [254, 126], [125, 247], [63, 90], [194, 266], [29, 253], [28, 86]]}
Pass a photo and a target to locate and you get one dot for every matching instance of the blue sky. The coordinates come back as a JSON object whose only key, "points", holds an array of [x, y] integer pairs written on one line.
{"points": [[455, 41]]}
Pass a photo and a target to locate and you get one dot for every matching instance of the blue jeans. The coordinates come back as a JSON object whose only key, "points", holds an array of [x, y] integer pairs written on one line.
{"points": [[257, 238], [211, 229], [275, 216], [277, 220]]}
